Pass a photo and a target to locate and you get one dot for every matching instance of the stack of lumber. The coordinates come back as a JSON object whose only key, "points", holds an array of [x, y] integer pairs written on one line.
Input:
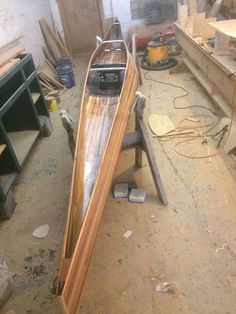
{"points": [[55, 47], [50, 85], [9, 54]]}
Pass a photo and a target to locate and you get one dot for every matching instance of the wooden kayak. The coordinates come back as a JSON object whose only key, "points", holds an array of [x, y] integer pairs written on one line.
{"points": [[108, 97]]}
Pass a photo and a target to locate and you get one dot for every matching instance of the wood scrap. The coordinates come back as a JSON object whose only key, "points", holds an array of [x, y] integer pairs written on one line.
{"points": [[221, 42], [9, 55], [208, 31], [50, 65], [48, 56], [52, 80], [9, 65], [51, 85]]}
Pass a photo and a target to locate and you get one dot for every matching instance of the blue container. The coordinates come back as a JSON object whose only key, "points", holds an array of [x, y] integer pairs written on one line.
{"points": [[65, 72]]}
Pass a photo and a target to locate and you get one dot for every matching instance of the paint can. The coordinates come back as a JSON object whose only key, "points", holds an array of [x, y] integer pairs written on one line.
{"points": [[52, 103]]}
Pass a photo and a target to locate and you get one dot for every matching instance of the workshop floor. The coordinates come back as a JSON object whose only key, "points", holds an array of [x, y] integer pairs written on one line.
{"points": [[190, 244]]}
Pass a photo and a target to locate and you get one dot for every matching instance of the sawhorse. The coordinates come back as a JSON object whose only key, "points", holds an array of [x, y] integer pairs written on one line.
{"points": [[138, 140]]}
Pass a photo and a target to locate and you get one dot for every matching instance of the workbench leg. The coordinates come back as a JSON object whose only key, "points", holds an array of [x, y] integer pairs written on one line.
{"points": [[152, 163], [7, 207], [147, 146], [138, 157], [138, 114]]}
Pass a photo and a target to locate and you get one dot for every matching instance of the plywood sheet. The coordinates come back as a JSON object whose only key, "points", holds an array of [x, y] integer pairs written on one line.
{"points": [[82, 22], [208, 31], [198, 23], [227, 27]]}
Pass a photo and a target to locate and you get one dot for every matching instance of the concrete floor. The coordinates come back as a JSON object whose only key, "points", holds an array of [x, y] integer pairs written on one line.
{"points": [[176, 244]]}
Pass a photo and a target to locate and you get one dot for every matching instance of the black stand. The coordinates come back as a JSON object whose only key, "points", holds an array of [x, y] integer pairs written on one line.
{"points": [[140, 141]]}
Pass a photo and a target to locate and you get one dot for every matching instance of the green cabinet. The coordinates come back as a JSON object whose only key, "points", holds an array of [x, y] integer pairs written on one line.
{"points": [[23, 117]]}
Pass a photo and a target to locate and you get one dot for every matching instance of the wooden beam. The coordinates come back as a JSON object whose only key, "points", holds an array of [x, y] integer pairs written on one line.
{"points": [[62, 8]]}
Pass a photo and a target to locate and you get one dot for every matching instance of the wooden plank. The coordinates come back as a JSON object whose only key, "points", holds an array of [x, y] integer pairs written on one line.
{"points": [[227, 27], [102, 15], [131, 140], [135, 56], [192, 7], [208, 31], [84, 247], [221, 42], [82, 22], [8, 66], [182, 14], [51, 66], [185, 21], [218, 100], [198, 24], [63, 49], [9, 55], [51, 44], [49, 56]]}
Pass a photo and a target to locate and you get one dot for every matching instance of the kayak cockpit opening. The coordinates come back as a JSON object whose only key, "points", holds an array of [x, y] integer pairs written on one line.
{"points": [[106, 80]]}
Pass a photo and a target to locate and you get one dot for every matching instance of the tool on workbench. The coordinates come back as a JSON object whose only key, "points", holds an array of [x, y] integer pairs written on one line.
{"points": [[156, 56], [222, 131]]}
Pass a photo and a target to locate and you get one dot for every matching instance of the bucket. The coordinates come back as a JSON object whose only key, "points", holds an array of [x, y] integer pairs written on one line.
{"points": [[65, 72]]}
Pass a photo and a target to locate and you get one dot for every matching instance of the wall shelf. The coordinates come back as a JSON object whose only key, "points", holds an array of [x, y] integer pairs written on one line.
{"points": [[23, 118]]}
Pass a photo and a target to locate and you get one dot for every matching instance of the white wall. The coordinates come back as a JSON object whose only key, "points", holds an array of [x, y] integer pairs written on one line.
{"points": [[121, 9], [20, 17], [56, 16]]}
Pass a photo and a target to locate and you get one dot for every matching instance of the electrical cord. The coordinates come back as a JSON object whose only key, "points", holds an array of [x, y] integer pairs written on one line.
{"points": [[197, 130], [186, 93]]}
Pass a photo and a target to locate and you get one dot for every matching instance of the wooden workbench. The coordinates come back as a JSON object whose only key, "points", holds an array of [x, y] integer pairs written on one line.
{"points": [[215, 72]]}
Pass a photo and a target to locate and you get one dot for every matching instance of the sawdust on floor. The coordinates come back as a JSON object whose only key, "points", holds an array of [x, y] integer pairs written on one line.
{"points": [[191, 243]]}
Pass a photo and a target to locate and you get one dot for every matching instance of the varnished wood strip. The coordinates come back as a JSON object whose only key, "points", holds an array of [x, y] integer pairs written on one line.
{"points": [[84, 247]]}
